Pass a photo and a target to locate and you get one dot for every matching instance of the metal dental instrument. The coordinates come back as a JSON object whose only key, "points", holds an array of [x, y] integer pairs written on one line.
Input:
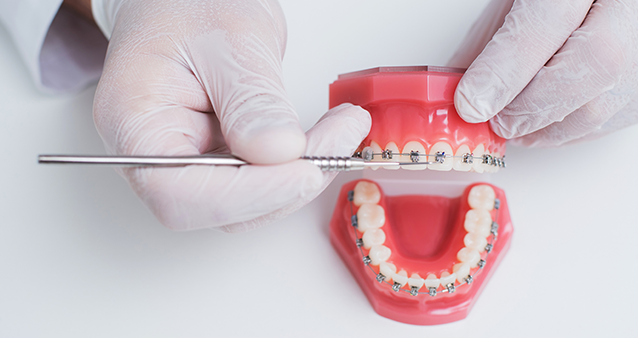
{"points": [[332, 163]]}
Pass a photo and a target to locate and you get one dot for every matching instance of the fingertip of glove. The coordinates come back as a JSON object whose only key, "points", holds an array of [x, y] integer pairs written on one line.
{"points": [[466, 109]]}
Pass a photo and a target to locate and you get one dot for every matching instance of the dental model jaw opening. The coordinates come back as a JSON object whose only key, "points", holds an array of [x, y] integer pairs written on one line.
{"points": [[420, 259]]}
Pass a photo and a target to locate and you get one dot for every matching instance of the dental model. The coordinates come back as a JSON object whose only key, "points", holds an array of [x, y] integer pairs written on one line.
{"points": [[420, 259]]}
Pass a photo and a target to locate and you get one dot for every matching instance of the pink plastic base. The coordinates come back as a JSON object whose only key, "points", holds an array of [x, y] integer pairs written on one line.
{"points": [[422, 309]]}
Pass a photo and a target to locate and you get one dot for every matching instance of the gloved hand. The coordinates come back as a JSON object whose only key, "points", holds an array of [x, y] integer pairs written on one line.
{"points": [[205, 76], [556, 72]]}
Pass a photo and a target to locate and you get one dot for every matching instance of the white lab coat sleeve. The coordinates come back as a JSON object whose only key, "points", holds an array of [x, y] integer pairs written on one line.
{"points": [[63, 52]]}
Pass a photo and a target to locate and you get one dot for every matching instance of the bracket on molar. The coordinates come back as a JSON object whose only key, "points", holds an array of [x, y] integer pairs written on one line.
{"points": [[439, 157], [386, 154], [481, 263], [414, 156], [355, 221], [414, 291], [488, 248], [432, 291], [366, 260], [494, 229], [359, 242], [469, 279], [450, 288], [468, 158], [351, 195], [497, 203]]}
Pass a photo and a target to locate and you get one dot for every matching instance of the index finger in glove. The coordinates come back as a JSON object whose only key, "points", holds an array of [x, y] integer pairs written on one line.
{"points": [[532, 33]]}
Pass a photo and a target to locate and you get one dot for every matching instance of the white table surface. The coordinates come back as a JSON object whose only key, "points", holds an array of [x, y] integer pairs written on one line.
{"points": [[80, 256]]}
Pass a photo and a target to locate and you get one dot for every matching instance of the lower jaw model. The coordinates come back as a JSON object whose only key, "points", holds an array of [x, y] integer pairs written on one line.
{"points": [[420, 244]]}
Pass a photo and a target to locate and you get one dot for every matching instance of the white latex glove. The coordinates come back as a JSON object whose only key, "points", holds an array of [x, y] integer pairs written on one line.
{"points": [[204, 76], [557, 71]]}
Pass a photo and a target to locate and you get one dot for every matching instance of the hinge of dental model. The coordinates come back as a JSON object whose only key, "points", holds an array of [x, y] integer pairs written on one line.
{"points": [[439, 157], [432, 291]]}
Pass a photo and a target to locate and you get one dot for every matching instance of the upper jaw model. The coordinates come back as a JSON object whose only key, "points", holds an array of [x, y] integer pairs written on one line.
{"points": [[421, 245]]}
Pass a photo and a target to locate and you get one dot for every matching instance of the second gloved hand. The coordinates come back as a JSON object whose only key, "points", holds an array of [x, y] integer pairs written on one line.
{"points": [[205, 76], [553, 72]]}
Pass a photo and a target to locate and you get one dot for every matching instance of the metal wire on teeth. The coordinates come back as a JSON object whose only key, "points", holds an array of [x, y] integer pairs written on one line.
{"points": [[433, 292], [439, 157]]}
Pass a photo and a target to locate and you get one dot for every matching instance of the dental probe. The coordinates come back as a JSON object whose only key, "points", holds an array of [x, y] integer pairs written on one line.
{"points": [[330, 163]]}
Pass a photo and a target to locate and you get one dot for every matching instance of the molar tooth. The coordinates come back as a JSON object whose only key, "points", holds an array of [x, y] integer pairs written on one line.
{"points": [[395, 154], [388, 270], [442, 147], [478, 221], [401, 277], [373, 237], [461, 270], [458, 159], [469, 256], [414, 146], [370, 216], [431, 281], [447, 278], [366, 192], [376, 149], [379, 254], [416, 281], [475, 241], [478, 158], [481, 197]]}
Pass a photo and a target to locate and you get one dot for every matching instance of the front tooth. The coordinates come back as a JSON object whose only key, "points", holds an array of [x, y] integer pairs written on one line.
{"points": [[379, 254], [478, 152], [469, 256], [388, 270], [458, 159], [366, 192], [414, 146], [416, 281], [462, 270], [370, 216], [401, 277], [475, 241], [395, 154], [481, 197], [448, 163], [447, 278], [432, 281], [376, 149], [373, 237], [478, 221]]}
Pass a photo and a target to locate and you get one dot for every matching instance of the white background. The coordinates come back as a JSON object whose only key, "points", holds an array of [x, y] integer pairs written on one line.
{"points": [[80, 256]]}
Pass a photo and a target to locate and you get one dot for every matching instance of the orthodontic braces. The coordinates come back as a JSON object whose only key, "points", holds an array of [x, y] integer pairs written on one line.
{"points": [[449, 288], [439, 157]]}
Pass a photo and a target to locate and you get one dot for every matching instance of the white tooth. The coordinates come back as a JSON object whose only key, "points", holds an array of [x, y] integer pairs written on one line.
{"points": [[370, 216], [373, 237], [447, 278], [388, 270], [442, 147], [458, 159], [376, 149], [395, 151], [379, 254], [401, 277], [432, 281], [416, 281], [478, 158], [474, 241], [478, 221], [469, 256], [462, 270], [366, 192], [414, 146], [481, 197]]}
